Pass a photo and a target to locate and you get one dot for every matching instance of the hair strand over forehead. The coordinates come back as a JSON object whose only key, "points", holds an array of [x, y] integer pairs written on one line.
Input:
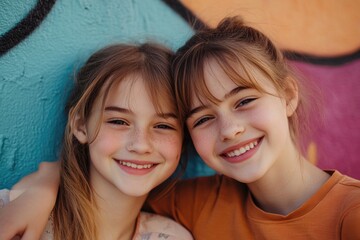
{"points": [[245, 55]]}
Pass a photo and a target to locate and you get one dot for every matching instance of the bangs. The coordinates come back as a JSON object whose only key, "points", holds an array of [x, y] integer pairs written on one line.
{"points": [[163, 100], [242, 71], [159, 88]]}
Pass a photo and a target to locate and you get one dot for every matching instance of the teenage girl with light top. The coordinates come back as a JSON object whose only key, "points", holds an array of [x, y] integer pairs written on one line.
{"points": [[123, 139], [245, 112]]}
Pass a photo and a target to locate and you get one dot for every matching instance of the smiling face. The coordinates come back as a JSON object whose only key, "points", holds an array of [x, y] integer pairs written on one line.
{"points": [[245, 134], [136, 148]]}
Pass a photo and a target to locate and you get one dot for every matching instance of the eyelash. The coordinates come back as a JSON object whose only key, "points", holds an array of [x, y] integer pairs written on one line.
{"points": [[118, 122], [164, 126], [244, 102], [241, 103], [202, 120], [122, 122]]}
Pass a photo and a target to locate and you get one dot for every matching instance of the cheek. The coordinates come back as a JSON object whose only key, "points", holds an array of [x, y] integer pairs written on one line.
{"points": [[202, 141], [106, 142], [270, 119], [263, 116], [170, 147], [258, 119]]}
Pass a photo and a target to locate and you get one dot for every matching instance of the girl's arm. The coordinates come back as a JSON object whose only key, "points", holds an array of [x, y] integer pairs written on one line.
{"points": [[185, 201], [28, 212]]}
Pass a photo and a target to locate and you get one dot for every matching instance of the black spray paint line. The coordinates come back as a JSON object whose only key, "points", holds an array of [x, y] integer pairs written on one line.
{"points": [[26, 26], [329, 61], [197, 25]]}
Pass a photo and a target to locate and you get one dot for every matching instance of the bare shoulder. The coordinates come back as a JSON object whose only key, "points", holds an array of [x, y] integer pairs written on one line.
{"points": [[153, 226]]}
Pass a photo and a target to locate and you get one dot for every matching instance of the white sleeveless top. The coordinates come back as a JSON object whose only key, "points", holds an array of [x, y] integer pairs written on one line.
{"points": [[148, 226]]}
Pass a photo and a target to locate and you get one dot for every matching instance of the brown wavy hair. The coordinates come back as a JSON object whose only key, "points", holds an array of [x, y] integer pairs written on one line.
{"points": [[75, 210], [245, 54]]}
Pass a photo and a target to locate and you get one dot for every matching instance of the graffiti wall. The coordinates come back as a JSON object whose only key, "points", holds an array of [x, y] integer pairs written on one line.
{"points": [[43, 42]]}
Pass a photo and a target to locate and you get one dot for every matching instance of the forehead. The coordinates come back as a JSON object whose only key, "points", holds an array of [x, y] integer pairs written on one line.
{"points": [[133, 92], [220, 79], [216, 80], [125, 89]]}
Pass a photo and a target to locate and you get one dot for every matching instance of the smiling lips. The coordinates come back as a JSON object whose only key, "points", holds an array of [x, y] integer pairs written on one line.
{"points": [[243, 152], [135, 166]]}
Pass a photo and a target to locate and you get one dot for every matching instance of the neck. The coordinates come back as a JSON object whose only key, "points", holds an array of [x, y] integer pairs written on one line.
{"points": [[117, 217], [117, 212], [287, 185]]}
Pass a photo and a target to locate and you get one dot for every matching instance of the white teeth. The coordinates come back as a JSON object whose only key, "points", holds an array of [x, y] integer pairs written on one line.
{"points": [[136, 166], [241, 150]]}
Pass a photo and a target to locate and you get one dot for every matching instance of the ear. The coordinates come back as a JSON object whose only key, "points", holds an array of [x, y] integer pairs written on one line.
{"points": [[79, 129], [292, 97]]}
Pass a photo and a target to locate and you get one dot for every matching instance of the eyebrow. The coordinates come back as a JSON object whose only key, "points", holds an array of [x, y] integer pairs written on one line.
{"points": [[234, 91], [196, 110], [168, 115], [227, 95], [116, 109], [127, 111]]}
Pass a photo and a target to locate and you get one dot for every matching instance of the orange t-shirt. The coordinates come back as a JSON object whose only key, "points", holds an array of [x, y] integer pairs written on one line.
{"points": [[218, 207]]}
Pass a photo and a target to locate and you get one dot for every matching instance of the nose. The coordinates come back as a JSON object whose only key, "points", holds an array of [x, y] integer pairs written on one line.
{"points": [[230, 127], [139, 142]]}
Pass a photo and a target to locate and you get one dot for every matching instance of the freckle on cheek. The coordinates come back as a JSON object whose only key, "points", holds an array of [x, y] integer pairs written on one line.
{"points": [[174, 141]]}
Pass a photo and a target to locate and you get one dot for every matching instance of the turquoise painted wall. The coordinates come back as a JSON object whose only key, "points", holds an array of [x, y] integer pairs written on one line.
{"points": [[35, 75]]}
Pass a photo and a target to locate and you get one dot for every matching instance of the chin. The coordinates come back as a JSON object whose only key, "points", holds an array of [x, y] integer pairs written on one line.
{"points": [[245, 176], [136, 193], [133, 189]]}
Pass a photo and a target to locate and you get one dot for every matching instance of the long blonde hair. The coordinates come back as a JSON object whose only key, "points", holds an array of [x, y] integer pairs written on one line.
{"points": [[75, 209]]}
